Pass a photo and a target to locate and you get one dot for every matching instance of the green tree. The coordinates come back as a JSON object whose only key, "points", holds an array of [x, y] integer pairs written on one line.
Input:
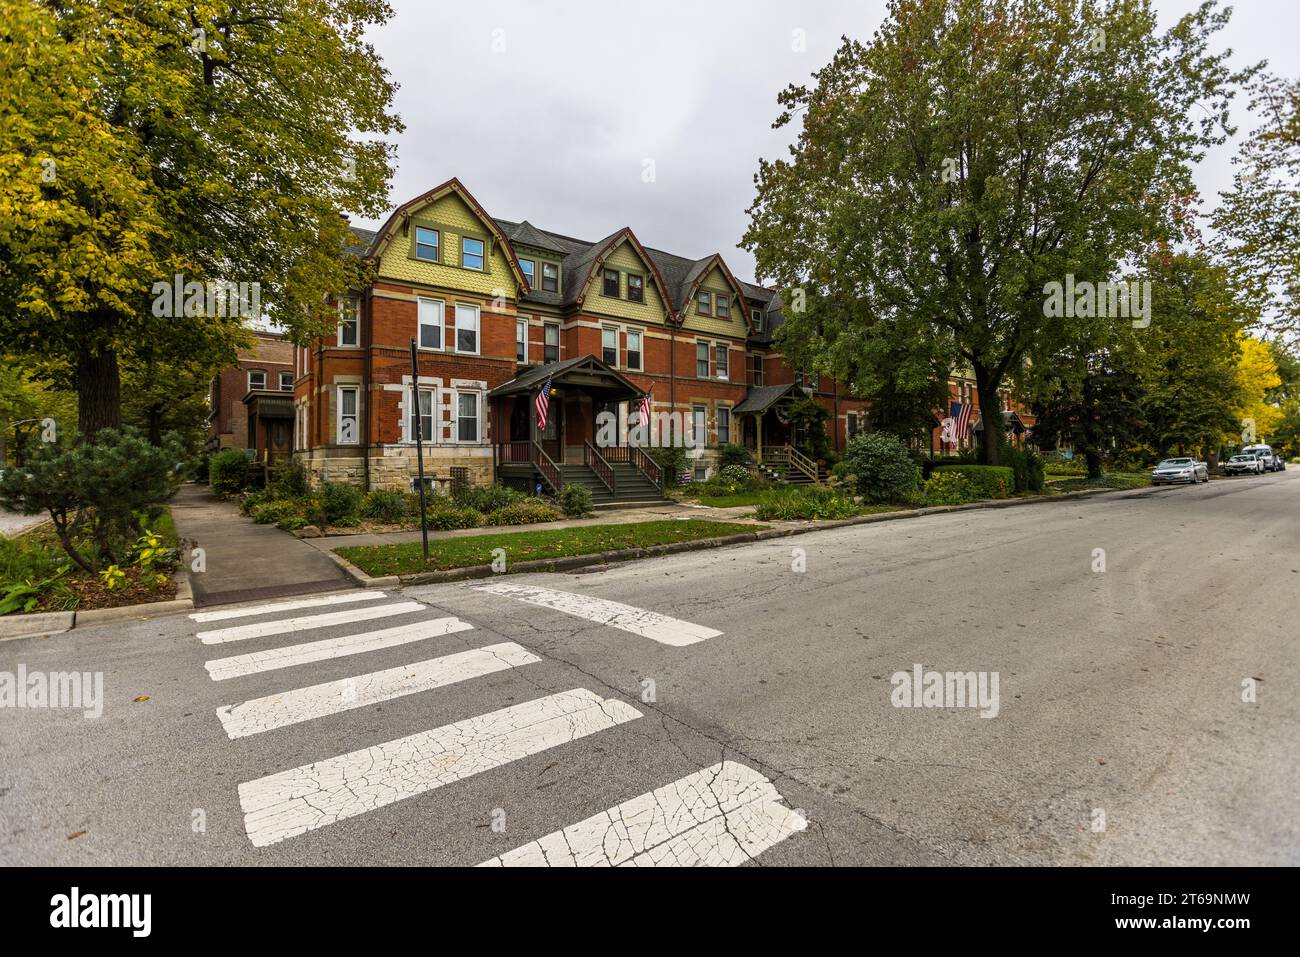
{"points": [[1090, 403], [152, 138], [972, 152], [1259, 217]]}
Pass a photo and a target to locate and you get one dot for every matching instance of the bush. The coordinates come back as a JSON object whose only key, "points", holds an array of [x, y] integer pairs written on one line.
{"points": [[881, 465], [340, 503], [230, 472], [386, 505], [575, 500], [810, 502], [732, 454], [444, 516], [279, 512], [528, 512], [946, 488], [1026, 467], [672, 460], [288, 479], [734, 474], [98, 495], [486, 498], [986, 481]]}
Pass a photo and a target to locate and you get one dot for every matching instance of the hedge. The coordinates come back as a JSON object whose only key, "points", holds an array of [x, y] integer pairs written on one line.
{"points": [[986, 481]]}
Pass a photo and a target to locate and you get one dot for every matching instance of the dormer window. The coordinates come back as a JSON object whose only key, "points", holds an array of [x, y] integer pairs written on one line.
{"points": [[758, 322], [426, 243], [635, 288], [704, 302], [724, 307], [550, 277], [611, 282], [529, 268]]}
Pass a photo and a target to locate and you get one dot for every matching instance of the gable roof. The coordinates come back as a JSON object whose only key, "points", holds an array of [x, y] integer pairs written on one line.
{"points": [[402, 215], [594, 369]]}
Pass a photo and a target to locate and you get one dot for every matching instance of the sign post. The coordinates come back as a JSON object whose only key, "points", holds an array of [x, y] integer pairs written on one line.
{"points": [[419, 445]]}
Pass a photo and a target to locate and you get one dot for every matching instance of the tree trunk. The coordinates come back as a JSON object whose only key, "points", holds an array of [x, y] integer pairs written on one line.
{"points": [[990, 414], [99, 391], [155, 416]]}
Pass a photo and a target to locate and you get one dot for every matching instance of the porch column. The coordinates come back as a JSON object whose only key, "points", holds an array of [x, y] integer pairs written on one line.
{"points": [[760, 436]]}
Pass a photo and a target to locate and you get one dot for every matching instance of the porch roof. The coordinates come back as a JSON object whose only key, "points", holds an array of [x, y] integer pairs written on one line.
{"points": [[270, 405], [584, 372], [760, 398]]}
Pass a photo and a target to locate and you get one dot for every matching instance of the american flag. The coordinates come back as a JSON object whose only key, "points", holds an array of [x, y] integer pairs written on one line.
{"points": [[543, 405], [644, 409], [960, 412]]}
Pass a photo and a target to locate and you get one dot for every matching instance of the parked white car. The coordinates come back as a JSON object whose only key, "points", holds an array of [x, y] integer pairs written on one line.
{"points": [[1244, 464], [1182, 469]]}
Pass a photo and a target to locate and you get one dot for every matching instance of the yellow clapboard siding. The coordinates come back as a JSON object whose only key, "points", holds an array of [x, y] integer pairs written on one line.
{"points": [[625, 260], [716, 282], [453, 218]]}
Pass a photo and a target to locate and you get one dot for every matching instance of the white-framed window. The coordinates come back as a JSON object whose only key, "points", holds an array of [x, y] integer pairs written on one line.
{"points": [[609, 345], [724, 424], [721, 356], [466, 328], [467, 414], [471, 253], [551, 347], [286, 381], [634, 350], [699, 426], [427, 243], [256, 379], [425, 416], [529, 268], [758, 322], [701, 360], [432, 316], [521, 340], [756, 369], [349, 326], [347, 431]]}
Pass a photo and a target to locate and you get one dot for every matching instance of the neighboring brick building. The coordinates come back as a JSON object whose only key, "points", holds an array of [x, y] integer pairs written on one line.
{"points": [[251, 404]]}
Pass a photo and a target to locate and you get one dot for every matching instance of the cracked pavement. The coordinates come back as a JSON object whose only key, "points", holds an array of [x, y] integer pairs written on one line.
{"points": [[774, 742]]}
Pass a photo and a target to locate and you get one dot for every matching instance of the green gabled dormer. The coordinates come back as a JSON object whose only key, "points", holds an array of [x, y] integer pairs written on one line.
{"points": [[713, 301]]}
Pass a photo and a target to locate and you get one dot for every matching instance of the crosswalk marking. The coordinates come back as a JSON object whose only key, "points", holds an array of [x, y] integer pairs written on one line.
{"points": [[224, 614], [721, 816], [264, 628], [638, 621], [273, 659], [332, 697], [303, 799]]}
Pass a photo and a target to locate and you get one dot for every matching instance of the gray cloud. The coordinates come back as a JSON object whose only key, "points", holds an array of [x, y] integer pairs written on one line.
{"points": [[547, 110]]}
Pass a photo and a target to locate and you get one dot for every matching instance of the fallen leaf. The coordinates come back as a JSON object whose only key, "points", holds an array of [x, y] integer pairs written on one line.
{"points": [[143, 697], [75, 834]]}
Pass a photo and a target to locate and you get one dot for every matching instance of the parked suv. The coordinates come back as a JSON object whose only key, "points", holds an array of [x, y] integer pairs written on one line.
{"points": [[1269, 461]]}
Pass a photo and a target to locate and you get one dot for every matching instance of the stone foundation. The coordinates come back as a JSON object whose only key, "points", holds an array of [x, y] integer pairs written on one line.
{"points": [[394, 467]]}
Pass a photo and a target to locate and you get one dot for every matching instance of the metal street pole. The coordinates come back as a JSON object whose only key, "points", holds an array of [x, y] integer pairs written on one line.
{"points": [[419, 445]]}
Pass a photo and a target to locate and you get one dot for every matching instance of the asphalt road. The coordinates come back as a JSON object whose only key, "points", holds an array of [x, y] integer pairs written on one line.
{"points": [[1119, 701]]}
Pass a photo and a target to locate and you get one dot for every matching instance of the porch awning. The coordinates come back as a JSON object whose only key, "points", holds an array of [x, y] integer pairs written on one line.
{"points": [[586, 373], [274, 405], [760, 398], [1010, 420]]}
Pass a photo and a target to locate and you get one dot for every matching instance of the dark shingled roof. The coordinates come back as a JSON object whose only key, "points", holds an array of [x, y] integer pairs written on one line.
{"points": [[577, 255], [760, 398]]}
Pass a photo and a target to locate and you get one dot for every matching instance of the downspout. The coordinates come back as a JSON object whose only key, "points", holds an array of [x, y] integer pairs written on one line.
{"points": [[368, 325]]}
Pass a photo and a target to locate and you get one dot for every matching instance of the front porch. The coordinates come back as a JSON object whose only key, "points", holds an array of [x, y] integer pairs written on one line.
{"points": [[570, 450], [771, 436]]}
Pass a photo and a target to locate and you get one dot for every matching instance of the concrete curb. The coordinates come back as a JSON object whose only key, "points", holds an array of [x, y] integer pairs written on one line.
{"points": [[57, 622], [700, 544]]}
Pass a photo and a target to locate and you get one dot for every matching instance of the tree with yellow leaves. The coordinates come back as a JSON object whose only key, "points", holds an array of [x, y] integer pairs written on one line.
{"points": [[1257, 376]]}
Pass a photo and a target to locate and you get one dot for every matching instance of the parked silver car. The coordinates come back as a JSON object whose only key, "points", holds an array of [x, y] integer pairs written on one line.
{"points": [[1269, 460], [1244, 463], [1182, 469]]}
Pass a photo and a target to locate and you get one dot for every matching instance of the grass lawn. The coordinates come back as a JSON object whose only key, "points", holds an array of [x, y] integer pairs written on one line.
{"points": [[1078, 483], [732, 501], [406, 558]]}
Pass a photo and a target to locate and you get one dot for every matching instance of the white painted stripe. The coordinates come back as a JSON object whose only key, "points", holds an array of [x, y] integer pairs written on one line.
{"points": [[262, 629], [251, 610], [638, 621], [332, 697], [303, 799], [719, 817], [273, 659]]}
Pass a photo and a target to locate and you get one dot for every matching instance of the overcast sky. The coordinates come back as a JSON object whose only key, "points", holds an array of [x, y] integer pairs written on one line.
{"points": [[548, 111]]}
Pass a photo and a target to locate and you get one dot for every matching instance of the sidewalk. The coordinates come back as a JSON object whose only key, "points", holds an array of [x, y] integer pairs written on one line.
{"points": [[242, 557], [620, 516]]}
